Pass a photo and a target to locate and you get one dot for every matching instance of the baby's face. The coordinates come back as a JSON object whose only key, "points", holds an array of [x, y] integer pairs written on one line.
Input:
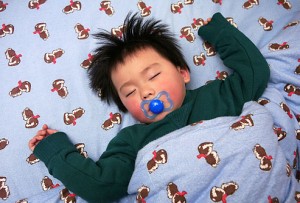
{"points": [[143, 76]]}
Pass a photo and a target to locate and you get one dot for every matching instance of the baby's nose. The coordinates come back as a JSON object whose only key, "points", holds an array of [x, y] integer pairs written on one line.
{"points": [[147, 93]]}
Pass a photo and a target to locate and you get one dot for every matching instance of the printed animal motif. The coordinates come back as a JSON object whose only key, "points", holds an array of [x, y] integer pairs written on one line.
{"points": [[281, 134], [143, 192], [159, 157], [296, 155], [286, 109], [231, 21], [6, 29], [186, 32], [67, 197], [31, 119], [278, 47], [144, 9], [206, 151], [115, 118], [199, 59], [292, 90], [221, 75], [288, 170], [273, 199], [210, 50], [3, 6], [118, 32], [263, 101], [83, 33], [298, 118], [218, 194], [265, 160], [291, 24], [177, 7], [217, 1], [297, 196], [32, 159], [71, 118], [267, 25], [174, 194], [245, 121], [250, 3], [59, 87], [47, 183], [87, 62], [80, 149], [22, 201], [3, 143], [188, 2], [298, 134], [22, 87], [285, 4], [74, 5], [297, 70], [35, 4], [197, 23], [4, 189], [13, 58], [51, 57], [41, 30], [107, 8]]}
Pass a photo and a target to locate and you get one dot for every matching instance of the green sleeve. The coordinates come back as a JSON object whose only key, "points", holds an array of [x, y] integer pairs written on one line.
{"points": [[251, 71], [102, 181]]}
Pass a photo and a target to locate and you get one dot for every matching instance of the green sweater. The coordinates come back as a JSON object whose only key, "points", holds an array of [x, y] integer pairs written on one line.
{"points": [[107, 179]]}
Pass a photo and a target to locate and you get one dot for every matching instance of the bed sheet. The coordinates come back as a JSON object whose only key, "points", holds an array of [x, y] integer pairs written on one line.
{"points": [[45, 50]]}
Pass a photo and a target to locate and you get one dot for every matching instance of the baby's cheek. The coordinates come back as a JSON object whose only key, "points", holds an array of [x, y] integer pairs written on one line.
{"points": [[135, 110]]}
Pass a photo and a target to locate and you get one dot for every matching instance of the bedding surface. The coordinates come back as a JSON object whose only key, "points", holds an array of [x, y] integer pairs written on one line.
{"points": [[46, 48]]}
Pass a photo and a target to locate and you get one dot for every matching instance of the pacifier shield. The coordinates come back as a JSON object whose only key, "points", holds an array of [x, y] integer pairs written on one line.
{"points": [[156, 106]]}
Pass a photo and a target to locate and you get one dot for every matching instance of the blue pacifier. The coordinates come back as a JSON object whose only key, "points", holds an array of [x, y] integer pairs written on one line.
{"points": [[156, 105]]}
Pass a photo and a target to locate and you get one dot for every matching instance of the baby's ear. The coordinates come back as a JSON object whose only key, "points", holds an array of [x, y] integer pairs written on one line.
{"points": [[185, 74]]}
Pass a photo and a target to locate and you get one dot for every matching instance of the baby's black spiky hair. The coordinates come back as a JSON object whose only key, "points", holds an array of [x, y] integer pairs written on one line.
{"points": [[137, 34]]}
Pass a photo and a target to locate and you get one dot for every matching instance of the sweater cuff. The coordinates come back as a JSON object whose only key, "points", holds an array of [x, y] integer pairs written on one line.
{"points": [[52, 145], [213, 29]]}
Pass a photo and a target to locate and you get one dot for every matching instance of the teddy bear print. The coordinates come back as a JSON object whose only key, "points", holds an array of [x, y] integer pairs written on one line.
{"points": [[47, 183], [31, 119], [32, 159], [292, 90], [210, 50], [288, 170], [177, 7], [206, 151], [281, 134], [3, 143], [118, 32], [12, 57], [59, 87], [298, 118], [6, 29], [143, 8], [22, 201], [231, 21], [297, 70], [107, 8], [82, 32], [221, 75], [41, 30], [265, 160], [296, 156], [291, 24], [22, 87], [70, 118], [278, 47], [197, 23], [188, 2], [87, 62], [4, 189], [297, 134], [273, 199], [297, 196], [175, 195], [250, 3], [159, 157], [267, 24], [67, 197], [74, 6], [80, 149], [199, 59], [286, 109], [3, 6], [115, 118], [35, 4], [285, 4], [242, 123], [143, 192], [263, 101], [55, 54], [218, 194], [186, 32]]}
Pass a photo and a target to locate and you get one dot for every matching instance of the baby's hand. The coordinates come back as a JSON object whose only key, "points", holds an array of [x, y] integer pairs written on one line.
{"points": [[41, 134], [207, 21]]}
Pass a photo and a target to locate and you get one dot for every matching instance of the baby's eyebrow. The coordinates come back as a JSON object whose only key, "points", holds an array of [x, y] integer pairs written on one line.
{"points": [[145, 70]]}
